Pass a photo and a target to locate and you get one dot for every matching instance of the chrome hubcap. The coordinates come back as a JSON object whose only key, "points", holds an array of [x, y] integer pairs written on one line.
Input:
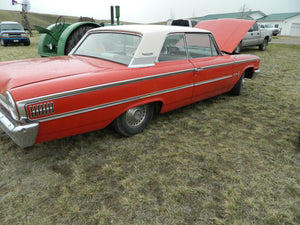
{"points": [[136, 116]]}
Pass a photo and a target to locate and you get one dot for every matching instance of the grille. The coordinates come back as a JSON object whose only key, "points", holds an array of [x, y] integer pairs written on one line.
{"points": [[39, 110], [15, 35]]}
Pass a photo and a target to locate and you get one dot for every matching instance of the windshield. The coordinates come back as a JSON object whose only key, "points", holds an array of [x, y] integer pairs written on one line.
{"points": [[116, 47], [268, 26], [11, 27]]}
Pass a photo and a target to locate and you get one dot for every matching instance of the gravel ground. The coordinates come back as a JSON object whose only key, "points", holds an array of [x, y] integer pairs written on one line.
{"points": [[286, 40]]}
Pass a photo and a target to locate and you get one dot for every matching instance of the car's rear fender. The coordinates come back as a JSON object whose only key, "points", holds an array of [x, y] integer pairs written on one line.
{"points": [[250, 72]]}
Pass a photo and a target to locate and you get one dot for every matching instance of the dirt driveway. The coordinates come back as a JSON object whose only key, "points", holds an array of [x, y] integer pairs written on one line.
{"points": [[286, 40]]}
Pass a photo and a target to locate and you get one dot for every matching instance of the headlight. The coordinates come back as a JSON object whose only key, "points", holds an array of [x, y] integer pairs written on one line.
{"points": [[12, 106], [24, 35], [4, 35]]}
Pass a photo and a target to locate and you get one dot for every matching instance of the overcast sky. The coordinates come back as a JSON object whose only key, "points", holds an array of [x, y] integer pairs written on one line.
{"points": [[148, 11]]}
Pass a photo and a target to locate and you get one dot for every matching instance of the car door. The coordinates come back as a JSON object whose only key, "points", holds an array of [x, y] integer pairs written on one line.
{"points": [[213, 71], [175, 73]]}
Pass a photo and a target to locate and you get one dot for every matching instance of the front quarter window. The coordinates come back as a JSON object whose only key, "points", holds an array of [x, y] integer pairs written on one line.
{"points": [[116, 47]]}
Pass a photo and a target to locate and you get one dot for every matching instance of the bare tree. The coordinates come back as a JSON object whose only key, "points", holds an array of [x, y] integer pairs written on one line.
{"points": [[243, 10]]}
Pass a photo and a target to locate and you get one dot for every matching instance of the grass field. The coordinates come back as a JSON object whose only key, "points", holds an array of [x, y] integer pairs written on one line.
{"points": [[226, 160]]}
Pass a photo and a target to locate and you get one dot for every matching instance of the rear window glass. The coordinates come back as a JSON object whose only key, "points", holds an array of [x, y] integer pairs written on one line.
{"points": [[183, 23]]}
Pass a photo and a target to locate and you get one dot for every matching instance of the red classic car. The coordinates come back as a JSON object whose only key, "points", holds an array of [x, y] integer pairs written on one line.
{"points": [[120, 75]]}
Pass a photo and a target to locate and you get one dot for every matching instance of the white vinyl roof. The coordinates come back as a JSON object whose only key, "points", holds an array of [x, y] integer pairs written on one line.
{"points": [[153, 37]]}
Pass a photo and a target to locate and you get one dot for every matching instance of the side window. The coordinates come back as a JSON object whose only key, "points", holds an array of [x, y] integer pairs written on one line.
{"points": [[194, 23], [173, 48], [200, 45]]}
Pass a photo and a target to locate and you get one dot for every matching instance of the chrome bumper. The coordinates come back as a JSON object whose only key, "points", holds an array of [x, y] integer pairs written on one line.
{"points": [[255, 74], [23, 135]]}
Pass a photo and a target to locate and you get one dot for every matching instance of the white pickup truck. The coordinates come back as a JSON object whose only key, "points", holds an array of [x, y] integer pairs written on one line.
{"points": [[255, 37], [234, 34]]}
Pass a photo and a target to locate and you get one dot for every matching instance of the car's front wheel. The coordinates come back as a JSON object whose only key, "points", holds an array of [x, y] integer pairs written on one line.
{"points": [[134, 120], [27, 43]]}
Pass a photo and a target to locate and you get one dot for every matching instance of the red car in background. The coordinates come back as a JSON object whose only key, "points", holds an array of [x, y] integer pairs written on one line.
{"points": [[118, 75]]}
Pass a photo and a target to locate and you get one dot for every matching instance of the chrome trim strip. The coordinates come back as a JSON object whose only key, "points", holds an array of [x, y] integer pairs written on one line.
{"points": [[245, 60], [142, 62], [3, 101], [72, 113], [213, 80], [224, 64], [216, 66], [97, 87]]}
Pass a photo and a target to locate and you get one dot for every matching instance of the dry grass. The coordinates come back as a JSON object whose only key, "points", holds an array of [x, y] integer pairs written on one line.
{"points": [[226, 160]]}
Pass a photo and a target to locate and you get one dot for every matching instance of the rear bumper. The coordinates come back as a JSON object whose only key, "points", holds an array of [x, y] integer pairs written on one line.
{"points": [[23, 135], [255, 73]]}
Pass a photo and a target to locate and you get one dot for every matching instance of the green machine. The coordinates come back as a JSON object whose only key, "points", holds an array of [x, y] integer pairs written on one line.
{"points": [[60, 38]]}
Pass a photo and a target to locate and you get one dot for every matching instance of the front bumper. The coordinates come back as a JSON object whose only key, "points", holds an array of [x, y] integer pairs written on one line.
{"points": [[15, 40], [23, 135]]}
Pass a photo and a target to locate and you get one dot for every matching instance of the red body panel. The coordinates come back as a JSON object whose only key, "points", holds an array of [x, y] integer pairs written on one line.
{"points": [[227, 32], [138, 90], [88, 94]]}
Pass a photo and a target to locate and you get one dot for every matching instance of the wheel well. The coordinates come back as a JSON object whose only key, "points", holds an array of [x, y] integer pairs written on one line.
{"points": [[157, 107], [248, 72]]}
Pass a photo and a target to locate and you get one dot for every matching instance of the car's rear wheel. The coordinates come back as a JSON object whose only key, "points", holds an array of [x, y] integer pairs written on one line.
{"points": [[134, 120], [237, 89]]}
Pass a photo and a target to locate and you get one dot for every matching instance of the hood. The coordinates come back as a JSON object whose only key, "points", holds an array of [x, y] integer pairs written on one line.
{"points": [[227, 32], [18, 73]]}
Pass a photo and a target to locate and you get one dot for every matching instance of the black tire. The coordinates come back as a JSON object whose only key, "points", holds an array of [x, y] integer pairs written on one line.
{"points": [[27, 43], [238, 48], [3, 43], [237, 89], [134, 120], [264, 45]]}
